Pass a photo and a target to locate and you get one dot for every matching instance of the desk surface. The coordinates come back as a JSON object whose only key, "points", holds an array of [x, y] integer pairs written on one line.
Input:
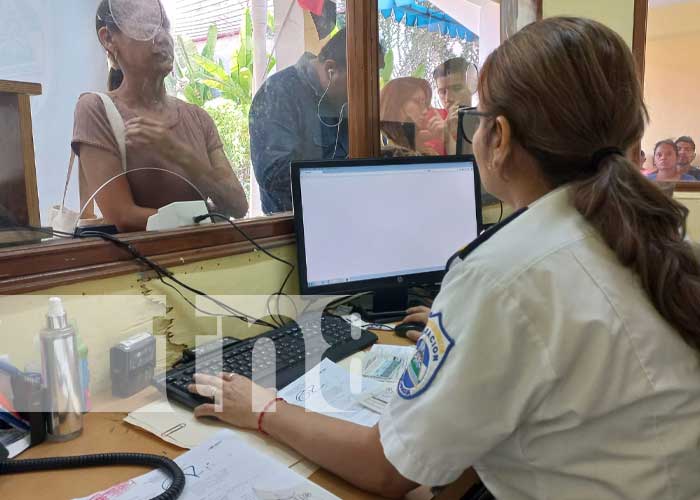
{"points": [[108, 433]]}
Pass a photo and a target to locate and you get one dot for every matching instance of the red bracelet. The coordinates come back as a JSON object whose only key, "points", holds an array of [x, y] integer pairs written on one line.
{"points": [[262, 414]]}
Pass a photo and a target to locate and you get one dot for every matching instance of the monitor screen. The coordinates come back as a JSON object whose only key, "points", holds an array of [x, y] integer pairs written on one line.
{"points": [[359, 222]]}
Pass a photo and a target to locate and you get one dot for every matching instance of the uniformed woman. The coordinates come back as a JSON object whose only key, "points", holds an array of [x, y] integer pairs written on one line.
{"points": [[560, 359]]}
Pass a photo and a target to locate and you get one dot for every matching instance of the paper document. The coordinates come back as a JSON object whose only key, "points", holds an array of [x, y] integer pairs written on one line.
{"points": [[379, 399], [353, 364], [387, 363], [333, 391], [178, 426], [224, 468]]}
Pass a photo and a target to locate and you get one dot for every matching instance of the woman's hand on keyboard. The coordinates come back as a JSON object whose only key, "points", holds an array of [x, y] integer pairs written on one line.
{"points": [[237, 400]]}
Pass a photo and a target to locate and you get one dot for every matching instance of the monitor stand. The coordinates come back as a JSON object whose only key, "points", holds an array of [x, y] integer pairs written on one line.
{"points": [[389, 305]]}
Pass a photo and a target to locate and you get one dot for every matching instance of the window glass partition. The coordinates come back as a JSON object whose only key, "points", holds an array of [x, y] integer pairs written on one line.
{"points": [[668, 152]]}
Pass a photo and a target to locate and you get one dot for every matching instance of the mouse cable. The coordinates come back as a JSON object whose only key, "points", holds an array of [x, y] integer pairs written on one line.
{"points": [[292, 267], [164, 274]]}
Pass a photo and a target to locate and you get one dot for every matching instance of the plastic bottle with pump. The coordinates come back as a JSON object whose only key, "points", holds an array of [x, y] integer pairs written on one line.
{"points": [[61, 375]]}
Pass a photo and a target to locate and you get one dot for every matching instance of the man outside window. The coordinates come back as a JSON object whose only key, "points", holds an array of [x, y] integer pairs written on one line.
{"points": [[686, 156], [453, 93], [451, 80], [666, 161], [299, 114]]}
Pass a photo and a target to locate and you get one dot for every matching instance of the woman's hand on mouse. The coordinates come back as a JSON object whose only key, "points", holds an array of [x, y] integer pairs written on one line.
{"points": [[418, 314], [235, 399]]}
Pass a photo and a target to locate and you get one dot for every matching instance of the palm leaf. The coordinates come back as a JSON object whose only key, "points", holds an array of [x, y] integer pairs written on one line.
{"points": [[210, 48], [210, 68], [388, 70]]}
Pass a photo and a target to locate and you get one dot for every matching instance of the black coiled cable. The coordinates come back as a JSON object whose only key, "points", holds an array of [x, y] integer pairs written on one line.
{"points": [[42, 464]]}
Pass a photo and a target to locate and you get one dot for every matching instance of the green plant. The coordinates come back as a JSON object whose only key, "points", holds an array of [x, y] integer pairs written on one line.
{"points": [[237, 84], [189, 76], [419, 72], [226, 95], [232, 124], [202, 78], [386, 73]]}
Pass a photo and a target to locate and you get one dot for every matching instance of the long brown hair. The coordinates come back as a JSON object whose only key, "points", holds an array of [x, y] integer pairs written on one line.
{"points": [[396, 93], [569, 89], [103, 19], [392, 99]]}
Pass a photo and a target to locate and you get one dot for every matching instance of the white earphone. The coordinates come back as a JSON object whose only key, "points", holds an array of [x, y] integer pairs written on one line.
{"points": [[331, 72]]}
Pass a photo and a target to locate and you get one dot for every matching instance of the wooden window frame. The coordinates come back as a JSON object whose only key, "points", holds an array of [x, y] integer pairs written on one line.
{"points": [[639, 36], [41, 266], [57, 263], [22, 198]]}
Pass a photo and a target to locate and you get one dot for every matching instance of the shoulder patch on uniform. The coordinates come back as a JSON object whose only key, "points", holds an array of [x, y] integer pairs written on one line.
{"points": [[431, 351]]}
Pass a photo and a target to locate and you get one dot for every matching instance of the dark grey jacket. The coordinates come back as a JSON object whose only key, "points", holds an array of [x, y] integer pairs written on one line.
{"points": [[285, 127]]}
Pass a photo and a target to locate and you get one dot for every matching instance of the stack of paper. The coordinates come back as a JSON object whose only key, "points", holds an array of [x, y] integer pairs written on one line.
{"points": [[223, 468], [179, 426], [332, 390]]}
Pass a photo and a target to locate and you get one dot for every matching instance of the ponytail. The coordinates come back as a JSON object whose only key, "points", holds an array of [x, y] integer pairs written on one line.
{"points": [[569, 87], [646, 230], [115, 79]]}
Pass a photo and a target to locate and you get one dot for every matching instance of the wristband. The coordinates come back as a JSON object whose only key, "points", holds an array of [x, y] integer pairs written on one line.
{"points": [[262, 414]]}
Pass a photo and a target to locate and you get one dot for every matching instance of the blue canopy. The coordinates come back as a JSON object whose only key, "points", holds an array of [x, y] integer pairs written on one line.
{"points": [[433, 20]]}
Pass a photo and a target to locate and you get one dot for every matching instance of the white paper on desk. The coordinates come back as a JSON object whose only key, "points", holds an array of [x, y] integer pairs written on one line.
{"points": [[180, 427], [380, 398], [331, 390], [224, 468], [353, 363]]}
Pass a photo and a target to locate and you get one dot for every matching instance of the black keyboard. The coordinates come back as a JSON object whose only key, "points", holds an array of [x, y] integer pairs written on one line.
{"points": [[285, 357]]}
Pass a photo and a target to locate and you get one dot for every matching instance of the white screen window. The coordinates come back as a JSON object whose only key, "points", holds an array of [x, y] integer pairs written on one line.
{"points": [[368, 222]]}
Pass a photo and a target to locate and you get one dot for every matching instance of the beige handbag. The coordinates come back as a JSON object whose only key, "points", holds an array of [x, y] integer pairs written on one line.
{"points": [[63, 219]]}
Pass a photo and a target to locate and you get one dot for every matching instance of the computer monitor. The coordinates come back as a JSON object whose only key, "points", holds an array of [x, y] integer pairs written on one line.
{"points": [[382, 225]]}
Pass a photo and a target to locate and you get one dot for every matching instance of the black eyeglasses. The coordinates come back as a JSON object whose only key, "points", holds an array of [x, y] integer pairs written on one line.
{"points": [[469, 122]]}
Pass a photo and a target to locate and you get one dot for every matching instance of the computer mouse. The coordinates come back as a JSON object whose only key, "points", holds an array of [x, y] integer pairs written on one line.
{"points": [[403, 328]]}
